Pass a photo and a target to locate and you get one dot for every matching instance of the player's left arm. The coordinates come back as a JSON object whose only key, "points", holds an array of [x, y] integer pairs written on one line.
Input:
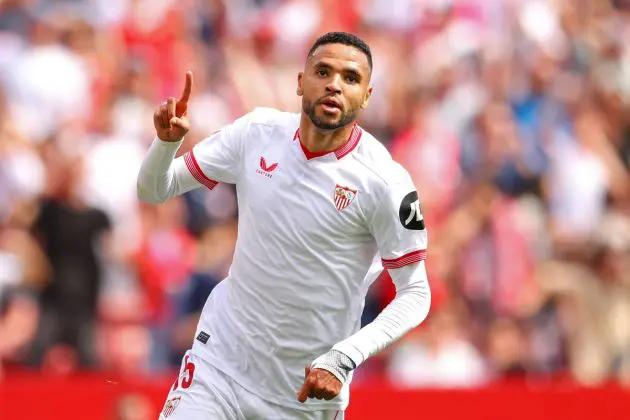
{"points": [[398, 226]]}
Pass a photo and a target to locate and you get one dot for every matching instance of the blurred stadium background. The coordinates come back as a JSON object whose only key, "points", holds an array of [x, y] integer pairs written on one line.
{"points": [[511, 115]]}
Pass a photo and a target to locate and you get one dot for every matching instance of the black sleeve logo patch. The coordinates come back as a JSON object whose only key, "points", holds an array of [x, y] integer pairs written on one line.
{"points": [[203, 337], [410, 214]]}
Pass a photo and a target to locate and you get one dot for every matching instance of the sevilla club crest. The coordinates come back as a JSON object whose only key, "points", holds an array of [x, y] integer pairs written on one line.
{"points": [[343, 197], [170, 406]]}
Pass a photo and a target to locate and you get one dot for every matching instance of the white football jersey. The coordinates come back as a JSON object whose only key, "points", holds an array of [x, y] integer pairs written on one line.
{"points": [[309, 228]]}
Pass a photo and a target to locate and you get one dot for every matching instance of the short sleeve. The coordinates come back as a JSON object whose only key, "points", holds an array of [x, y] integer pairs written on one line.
{"points": [[218, 158], [397, 223]]}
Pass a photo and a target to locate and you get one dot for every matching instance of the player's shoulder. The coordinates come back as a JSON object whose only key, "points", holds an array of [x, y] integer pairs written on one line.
{"points": [[377, 160], [271, 117]]}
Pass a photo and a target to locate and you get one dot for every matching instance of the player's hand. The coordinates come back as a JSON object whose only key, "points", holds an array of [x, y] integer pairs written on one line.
{"points": [[320, 384], [170, 120]]}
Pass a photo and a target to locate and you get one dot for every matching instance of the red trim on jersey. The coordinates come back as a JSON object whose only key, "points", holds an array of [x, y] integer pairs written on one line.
{"points": [[196, 172], [336, 414], [339, 152], [410, 258], [352, 142], [312, 155]]}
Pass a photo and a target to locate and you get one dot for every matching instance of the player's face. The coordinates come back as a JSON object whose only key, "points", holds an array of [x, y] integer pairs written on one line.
{"points": [[334, 85]]}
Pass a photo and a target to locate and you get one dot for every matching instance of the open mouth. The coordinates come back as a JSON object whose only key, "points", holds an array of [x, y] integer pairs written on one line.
{"points": [[330, 105]]}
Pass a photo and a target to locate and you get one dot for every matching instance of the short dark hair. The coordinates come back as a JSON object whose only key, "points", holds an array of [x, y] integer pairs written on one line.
{"points": [[345, 39]]}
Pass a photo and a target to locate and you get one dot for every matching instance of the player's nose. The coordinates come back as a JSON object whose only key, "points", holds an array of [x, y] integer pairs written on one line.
{"points": [[334, 85]]}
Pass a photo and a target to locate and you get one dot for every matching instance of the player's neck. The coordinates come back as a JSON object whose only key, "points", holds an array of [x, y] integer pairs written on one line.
{"points": [[317, 141]]}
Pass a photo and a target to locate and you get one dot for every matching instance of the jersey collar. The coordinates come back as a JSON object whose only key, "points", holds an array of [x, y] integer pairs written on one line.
{"points": [[341, 151]]}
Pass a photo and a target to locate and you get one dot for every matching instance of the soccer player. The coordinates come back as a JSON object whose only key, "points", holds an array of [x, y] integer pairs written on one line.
{"points": [[319, 198]]}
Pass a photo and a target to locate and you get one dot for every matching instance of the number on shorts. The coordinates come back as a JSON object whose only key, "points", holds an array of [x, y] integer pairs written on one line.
{"points": [[186, 375]]}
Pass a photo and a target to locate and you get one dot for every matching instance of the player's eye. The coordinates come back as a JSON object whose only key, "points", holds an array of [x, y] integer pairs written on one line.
{"points": [[352, 79], [322, 73]]}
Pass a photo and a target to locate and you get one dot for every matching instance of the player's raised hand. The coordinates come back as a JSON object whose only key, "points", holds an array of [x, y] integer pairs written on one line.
{"points": [[320, 384], [170, 119]]}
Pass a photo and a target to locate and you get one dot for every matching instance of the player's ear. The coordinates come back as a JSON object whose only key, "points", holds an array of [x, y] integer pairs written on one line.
{"points": [[300, 91], [366, 98]]}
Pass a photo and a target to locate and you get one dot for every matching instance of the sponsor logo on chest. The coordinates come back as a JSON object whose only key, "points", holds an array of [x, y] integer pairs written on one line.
{"points": [[265, 168]]}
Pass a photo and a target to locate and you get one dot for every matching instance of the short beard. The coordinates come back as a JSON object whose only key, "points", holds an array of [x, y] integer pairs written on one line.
{"points": [[309, 109]]}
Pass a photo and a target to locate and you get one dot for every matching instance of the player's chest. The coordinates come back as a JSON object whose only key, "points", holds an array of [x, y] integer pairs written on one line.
{"points": [[283, 188]]}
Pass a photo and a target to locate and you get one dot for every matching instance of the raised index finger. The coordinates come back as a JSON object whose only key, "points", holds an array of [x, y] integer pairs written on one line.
{"points": [[187, 88], [307, 386]]}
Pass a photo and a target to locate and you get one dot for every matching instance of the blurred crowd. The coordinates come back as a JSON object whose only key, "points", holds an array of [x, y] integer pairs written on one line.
{"points": [[511, 115]]}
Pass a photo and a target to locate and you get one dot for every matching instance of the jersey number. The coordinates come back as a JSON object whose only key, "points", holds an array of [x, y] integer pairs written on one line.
{"points": [[186, 375], [410, 214]]}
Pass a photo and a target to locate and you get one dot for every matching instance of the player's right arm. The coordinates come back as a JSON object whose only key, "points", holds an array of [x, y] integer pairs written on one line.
{"points": [[215, 159]]}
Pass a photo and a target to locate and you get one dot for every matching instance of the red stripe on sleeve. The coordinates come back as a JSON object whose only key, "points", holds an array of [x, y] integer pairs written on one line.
{"points": [[410, 258], [196, 172]]}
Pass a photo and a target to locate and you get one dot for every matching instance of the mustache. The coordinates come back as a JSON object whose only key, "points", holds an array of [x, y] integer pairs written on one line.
{"points": [[320, 100]]}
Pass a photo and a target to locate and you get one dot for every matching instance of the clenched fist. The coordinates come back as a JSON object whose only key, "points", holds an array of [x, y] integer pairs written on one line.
{"points": [[320, 384], [170, 120]]}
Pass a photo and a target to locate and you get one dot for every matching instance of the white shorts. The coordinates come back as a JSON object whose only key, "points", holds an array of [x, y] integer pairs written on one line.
{"points": [[201, 392]]}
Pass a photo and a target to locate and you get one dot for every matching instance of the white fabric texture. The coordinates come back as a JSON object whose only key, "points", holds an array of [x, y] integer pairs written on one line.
{"points": [[406, 311]]}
